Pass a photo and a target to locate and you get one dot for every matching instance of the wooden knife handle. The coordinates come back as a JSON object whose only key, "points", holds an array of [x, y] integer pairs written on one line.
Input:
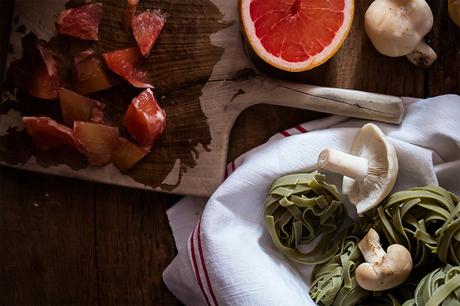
{"points": [[345, 102]]}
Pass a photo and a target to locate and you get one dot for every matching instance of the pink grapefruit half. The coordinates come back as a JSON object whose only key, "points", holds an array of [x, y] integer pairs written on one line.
{"points": [[296, 35]]}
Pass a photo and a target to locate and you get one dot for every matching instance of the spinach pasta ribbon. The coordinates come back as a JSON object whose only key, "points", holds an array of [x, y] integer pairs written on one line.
{"points": [[299, 208], [440, 287], [334, 281], [426, 220]]}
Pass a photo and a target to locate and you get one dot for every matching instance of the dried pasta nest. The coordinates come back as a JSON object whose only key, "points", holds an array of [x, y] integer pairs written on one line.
{"points": [[426, 220], [440, 287], [334, 281], [299, 208]]}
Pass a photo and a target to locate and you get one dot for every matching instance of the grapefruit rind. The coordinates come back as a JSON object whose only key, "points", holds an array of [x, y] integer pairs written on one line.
{"points": [[313, 61]]}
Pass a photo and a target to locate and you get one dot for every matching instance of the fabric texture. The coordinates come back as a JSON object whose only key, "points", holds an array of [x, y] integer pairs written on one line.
{"points": [[225, 255]]}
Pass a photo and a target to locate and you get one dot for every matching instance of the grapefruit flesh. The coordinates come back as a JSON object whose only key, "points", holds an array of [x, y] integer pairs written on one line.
{"points": [[146, 29], [75, 107], [44, 81], [127, 154], [296, 35], [48, 134], [145, 120], [96, 141], [81, 22], [89, 76], [124, 63]]}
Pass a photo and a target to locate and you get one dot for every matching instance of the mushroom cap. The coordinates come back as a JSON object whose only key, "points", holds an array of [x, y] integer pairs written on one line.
{"points": [[372, 144], [395, 27], [394, 268]]}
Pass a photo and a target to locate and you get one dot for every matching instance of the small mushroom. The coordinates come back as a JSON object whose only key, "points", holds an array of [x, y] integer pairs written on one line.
{"points": [[397, 27], [382, 270], [454, 11], [369, 171]]}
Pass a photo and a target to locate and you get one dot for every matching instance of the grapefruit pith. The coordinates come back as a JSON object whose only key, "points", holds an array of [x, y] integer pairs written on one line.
{"points": [[296, 35]]}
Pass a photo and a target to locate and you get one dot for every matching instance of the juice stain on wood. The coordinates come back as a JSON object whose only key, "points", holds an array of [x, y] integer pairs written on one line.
{"points": [[179, 66]]}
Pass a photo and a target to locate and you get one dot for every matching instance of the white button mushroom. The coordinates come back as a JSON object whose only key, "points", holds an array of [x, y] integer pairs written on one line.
{"points": [[454, 11], [369, 171], [382, 270], [397, 27]]}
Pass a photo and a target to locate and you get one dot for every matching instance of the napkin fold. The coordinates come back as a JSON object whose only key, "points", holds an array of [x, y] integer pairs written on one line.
{"points": [[226, 257]]}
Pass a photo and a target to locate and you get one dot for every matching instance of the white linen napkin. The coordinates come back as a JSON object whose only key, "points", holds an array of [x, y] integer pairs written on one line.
{"points": [[225, 255]]}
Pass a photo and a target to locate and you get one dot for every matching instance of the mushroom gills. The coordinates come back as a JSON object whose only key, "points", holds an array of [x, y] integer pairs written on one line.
{"points": [[369, 170]]}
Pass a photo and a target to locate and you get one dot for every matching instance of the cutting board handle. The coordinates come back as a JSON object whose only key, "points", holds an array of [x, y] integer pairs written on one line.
{"points": [[345, 102]]}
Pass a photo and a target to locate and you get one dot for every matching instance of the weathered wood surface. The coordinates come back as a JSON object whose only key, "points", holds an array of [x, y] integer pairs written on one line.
{"points": [[69, 242], [204, 80]]}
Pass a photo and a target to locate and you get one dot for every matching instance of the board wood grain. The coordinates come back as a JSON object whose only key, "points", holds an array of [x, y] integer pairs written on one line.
{"points": [[204, 79]]}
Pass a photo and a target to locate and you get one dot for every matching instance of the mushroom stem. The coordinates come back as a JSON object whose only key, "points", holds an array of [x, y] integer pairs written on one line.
{"points": [[422, 56], [343, 163], [371, 248]]}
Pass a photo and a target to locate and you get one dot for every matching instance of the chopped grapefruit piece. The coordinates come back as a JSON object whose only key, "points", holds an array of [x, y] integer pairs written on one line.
{"points": [[123, 62], [48, 59], [48, 134], [296, 35], [42, 85], [127, 154], [89, 76], [97, 141], [44, 81], [75, 107], [146, 29], [145, 120], [81, 22], [128, 13]]}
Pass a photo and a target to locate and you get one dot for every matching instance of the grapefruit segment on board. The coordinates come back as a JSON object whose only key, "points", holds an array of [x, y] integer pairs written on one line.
{"points": [[146, 29], [124, 63], [127, 154], [296, 35], [89, 76], [145, 120], [48, 134], [44, 80], [82, 22], [96, 141]]}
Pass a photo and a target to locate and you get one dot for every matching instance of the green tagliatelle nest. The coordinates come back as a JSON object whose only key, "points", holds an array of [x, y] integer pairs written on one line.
{"points": [[334, 281], [440, 287], [426, 220], [299, 208]]}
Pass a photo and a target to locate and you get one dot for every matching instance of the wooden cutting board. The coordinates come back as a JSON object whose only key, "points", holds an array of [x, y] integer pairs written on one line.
{"points": [[204, 79]]}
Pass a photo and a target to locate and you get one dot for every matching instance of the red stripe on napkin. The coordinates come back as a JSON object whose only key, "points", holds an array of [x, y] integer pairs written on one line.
{"points": [[301, 129], [200, 248], [285, 133], [232, 166], [195, 267]]}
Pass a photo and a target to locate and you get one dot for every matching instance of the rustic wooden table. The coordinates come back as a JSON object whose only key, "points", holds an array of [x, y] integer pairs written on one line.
{"points": [[69, 242]]}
